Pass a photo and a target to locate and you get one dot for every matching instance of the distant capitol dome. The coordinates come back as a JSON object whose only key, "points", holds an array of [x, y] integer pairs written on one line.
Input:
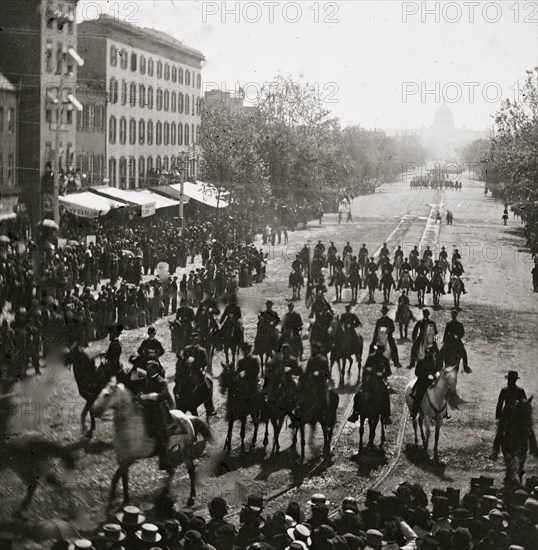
{"points": [[444, 119]]}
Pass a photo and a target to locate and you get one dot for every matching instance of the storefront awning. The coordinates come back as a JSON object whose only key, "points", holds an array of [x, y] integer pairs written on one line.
{"points": [[160, 201], [205, 193], [147, 206], [88, 205], [169, 191]]}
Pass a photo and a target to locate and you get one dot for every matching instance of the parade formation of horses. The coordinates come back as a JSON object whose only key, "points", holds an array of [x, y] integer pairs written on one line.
{"points": [[370, 407], [296, 282], [457, 287], [404, 316], [132, 441], [231, 336], [347, 344]]}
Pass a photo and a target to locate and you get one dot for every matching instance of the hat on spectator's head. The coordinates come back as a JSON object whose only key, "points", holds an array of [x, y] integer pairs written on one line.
{"points": [[531, 510], [350, 503], [217, 506], [151, 330], [512, 375], [255, 503], [113, 532], [374, 537], [131, 516], [193, 541], [149, 532], [317, 499], [497, 519], [372, 496], [300, 533]]}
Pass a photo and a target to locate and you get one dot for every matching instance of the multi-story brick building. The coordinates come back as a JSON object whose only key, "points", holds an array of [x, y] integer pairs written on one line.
{"points": [[152, 112], [37, 40], [8, 136]]}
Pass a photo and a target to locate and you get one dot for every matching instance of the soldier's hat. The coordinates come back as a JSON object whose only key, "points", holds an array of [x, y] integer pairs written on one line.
{"points": [[512, 375], [269, 303], [384, 309], [454, 312]]}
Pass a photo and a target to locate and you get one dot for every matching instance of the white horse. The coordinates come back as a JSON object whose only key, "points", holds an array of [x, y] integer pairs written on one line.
{"points": [[433, 407], [132, 442]]}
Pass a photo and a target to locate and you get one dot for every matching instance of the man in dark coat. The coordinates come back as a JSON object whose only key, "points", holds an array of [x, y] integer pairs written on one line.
{"points": [[509, 396], [250, 366], [292, 323], [151, 345], [113, 353], [425, 372], [454, 333], [185, 313], [420, 331], [385, 325], [196, 357]]}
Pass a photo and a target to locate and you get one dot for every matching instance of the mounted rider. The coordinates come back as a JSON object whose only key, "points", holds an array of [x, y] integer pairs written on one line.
{"points": [[297, 264], [457, 271], [280, 370], [454, 333], [509, 397], [414, 256], [384, 328], [348, 249], [317, 369], [319, 249], [207, 305], [456, 256], [320, 306], [113, 353], [425, 372], [195, 357], [428, 254], [406, 266], [185, 313], [443, 255], [398, 253], [379, 366], [371, 266], [293, 323], [437, 271], [363, 254], [384, 252], [350, 319], [338, 264], [269, 317], [423, 329], [248, 367], [231, 309], [157, 403], [422, 268]]}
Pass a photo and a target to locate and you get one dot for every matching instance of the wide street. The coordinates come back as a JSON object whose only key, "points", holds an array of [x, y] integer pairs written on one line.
{"points": [[498, 313]]}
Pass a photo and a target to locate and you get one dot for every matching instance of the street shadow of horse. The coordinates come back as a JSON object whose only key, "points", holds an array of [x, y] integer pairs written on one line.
{"points": [[95, 446], [369, 459], [418, 457]]}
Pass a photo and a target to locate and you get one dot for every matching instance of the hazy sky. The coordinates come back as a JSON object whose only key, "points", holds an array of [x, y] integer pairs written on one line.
{"points": [[386, 64]]}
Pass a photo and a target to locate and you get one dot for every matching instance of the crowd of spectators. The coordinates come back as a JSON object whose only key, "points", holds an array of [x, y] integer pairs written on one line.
{"points": [[484, 518], [73, 290]]}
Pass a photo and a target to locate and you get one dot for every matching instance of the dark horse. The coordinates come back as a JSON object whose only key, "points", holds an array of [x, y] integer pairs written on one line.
{"points": [[296, 282], [371, 282], [346, 344], [387, 284], [369, 405], [181, 334], [354, 281], [419, 286], [231, 337], [437, 285], [209, 329], [320, 333], [189, 391], [517, 438], [90, 379], [28, 455], [241, 403], [404, 316], [266, 340], [314, 405]]}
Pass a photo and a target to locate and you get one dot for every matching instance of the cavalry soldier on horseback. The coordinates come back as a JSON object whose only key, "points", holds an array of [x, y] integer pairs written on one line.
{"points": [[196, 358], [455, 256], [406, 266], [248, 367], [420, 332], [379, 366], [386, 324], [317, 368], [331, 251], [457, 271], [338, 263], [454, 333], [443, 255], [427, 254], [319, 249], [425, 372], [436, 271], [269, 317], [320, 305], [384, 252], [207, 304], [185, 313], [292, 323], [151, 345], [348, 249], [398, 253], [231, 309], [297, 264], [414, 256], [350, 319], [157, 403], [113, 353], [509, 396], [371, 267], [422, 269]]}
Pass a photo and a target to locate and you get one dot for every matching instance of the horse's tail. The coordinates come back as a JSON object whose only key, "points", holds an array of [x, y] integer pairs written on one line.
{"points": [[201, 428]]}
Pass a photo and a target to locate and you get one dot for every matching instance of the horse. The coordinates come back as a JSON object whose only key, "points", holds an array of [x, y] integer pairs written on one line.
{"points": [[340, 280], [180, 333], [209, 330], [279, 401], [354, 281], [444, 265], [433, 406], [363, 262], [346, 345], [405, 282], [90, 379], [314, 405], [404, 315], [372, 283], [437, 285], [457, 287], [265, 342], [296, 282], [231, 336], [347, 263], [241, 402], [291, 337], [132, 441], [188, 391], [420, 285], [29, 455], [369, 405], [387, 283], [450, 354], [398, 261], [517, 438], [320, 333]]}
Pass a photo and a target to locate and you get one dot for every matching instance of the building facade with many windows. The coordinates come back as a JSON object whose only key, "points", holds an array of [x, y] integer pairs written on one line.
{"points": [[37, 38], [8, 137], [152, 111]]}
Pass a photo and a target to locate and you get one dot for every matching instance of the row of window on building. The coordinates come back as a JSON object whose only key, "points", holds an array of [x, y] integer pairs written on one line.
{"points": [[56, 59], [165, 133], [165, 100], [7, 122], [60, 18], [162, 70]]}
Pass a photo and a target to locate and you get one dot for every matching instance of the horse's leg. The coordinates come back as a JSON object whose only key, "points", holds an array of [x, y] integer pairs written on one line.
{"points": [[242, 433], [438, 423], [192, 478], [92, 424], [85, 410], [266, 435], [383, 438], [372, 424], [228, 442], [361, 432], [256, 422], [30, 490], [350, 364], [301, 428]]}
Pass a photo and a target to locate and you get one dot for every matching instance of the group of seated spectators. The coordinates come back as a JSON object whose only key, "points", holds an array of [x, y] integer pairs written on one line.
{"points": [[484, 518], [74, 290]]}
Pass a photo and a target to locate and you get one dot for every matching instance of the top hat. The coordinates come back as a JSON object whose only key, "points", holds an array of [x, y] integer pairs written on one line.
{"points": [[255, 503], [318, 498], [350, 503], [131, 516], [512, 375], [384, 309], [301, 533], [81, 544], [372, 496], [113, 532], [453, 496]]}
